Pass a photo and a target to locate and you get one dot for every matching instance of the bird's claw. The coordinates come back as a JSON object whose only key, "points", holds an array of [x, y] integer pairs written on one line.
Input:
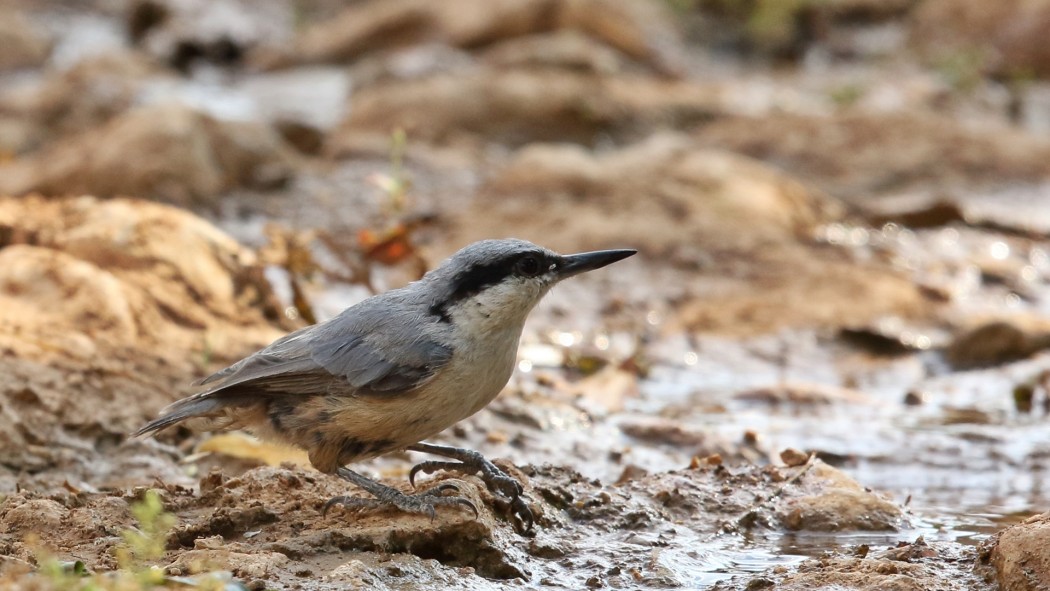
{"points": [[497, 481], [431, 466]]}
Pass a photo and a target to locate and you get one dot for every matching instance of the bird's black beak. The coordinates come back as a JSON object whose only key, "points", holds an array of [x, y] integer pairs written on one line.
{"points": [[574, 264]]}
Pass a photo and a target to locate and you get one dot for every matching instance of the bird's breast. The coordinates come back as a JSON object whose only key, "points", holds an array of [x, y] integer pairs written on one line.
{"points": [[481, 365]]}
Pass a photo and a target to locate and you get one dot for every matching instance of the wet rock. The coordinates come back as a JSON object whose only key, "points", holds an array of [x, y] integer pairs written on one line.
{"points": [[915, 398], [24, 45], [667, 432], [855, 156], [1018, 555], [74, 100], [893, 337], [516, 107], [998, 341], [942, 565], [829, 500], [793, 458], [167, 152], [607, 390], [1005, 38], [639, 28], [925, 212], [804, 394], [620, 532], [453, 537]]}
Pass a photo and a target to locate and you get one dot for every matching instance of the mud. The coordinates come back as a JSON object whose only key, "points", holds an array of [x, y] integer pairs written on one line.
{"points": [[656, 531]]}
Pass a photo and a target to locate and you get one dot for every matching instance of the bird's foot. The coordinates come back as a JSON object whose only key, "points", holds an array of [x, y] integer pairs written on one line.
{"points": [[471, 462], [425, 502]]}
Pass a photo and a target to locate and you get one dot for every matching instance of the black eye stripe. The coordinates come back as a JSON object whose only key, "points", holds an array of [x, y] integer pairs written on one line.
{"points": [[477, 278]]}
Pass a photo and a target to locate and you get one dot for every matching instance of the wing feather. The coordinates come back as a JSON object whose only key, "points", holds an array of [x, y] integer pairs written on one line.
{"points": [[362, 354]]}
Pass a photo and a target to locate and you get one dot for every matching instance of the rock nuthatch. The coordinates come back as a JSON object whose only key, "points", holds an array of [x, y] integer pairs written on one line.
{"points": [[393, 370]]}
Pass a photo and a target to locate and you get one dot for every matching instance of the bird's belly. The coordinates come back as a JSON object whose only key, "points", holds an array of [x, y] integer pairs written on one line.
{"points": [[341, 429], [459, 392]]}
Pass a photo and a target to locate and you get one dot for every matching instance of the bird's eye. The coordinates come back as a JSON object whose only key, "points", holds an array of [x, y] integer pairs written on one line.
{"points": [[529, 266]]}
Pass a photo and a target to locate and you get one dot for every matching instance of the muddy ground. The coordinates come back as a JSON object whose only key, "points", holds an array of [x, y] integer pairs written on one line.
{"points": [[826, 368]]}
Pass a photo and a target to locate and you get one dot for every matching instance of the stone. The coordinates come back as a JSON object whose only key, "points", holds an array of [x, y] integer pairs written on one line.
{"points": [[1019, 555], [70, 101], [24, 45], [857, 156], [1007, 38], [518, 106], [642, 29], [167, 152], [829, 500]]}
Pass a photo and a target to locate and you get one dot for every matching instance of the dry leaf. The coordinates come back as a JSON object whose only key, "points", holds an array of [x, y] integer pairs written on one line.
{"points": [[608, 388], [243, 446]]}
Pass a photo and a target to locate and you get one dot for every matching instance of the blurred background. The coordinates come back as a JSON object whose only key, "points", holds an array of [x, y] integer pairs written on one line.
{"points": [[842, 209]]}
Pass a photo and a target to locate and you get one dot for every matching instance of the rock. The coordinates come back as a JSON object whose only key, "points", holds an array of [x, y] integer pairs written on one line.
{"points": [[829, 500], [238, 523], [126, 272], [641, 29], [24, 45], [670, 432], [1005, 38], [167, 152], [789, 29], [70, 101], [656, 194], [57, 292], [220, 31], [606, 390], [922, 211], [31, 515], [516, 107], [293, 498], [793, 458], [120, 301], [995, 342], [258, 565], [803, 394], [742, 229], [570, 50], [1018, 555], [305, 103], [856, 156], [941, 565]]}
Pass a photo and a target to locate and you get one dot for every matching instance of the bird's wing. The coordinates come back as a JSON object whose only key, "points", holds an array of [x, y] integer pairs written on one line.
{"points": [[364, 353]]}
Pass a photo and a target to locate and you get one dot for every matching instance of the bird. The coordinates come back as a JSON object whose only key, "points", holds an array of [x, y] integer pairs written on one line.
{"points": [[393, 370]]}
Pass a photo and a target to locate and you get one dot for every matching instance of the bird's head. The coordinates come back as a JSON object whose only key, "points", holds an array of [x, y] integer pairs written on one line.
{"points": [[507, 277]]}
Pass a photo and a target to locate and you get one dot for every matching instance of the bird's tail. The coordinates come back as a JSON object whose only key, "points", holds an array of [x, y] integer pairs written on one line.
{"points": [[188, 408]]}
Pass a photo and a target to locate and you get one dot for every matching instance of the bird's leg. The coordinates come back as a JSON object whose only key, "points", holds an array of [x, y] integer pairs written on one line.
{"points": [[472, 462], [386, 496]]}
